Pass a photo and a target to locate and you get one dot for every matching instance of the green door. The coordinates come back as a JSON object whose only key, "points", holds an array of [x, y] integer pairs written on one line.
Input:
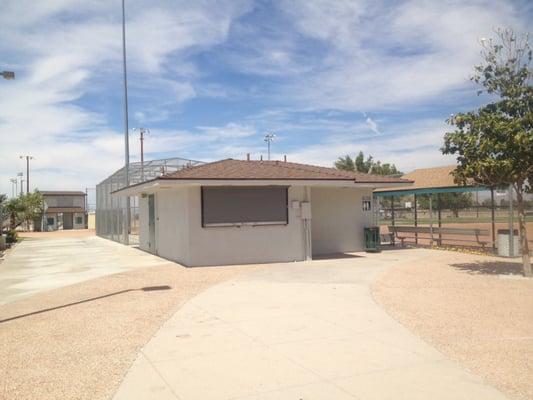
{"points": [[151, 223]]}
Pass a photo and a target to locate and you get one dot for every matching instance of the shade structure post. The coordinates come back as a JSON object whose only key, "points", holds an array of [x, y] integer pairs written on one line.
{"points": [[492, 220], [416, 219], [439, 218], [392, 216], [511, 223], [431, 220]]}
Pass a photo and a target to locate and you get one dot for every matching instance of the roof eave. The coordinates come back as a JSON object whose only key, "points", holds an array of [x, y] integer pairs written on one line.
{"points": [[168, 183]]}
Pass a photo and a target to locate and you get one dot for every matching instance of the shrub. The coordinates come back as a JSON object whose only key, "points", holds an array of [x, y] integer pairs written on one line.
{"points": [[12, 236]]}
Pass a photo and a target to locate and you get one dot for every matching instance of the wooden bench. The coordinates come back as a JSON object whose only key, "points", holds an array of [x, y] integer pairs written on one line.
{"points": [[401, 232]]}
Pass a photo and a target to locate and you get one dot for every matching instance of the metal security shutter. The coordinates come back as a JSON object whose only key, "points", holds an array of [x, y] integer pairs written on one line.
{"points": [[244, 205]]}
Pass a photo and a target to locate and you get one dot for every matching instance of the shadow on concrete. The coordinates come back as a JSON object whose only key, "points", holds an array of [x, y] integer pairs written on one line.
{"points": [[144, 289], [335, 256], [491, 268]]}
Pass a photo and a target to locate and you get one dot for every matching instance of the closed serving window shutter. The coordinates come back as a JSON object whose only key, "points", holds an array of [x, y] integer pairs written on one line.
{"points": [[244, 205]]}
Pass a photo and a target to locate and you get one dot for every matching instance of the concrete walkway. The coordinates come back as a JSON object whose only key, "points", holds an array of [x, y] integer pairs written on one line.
{"points": [[297, 331], [49, 262]]}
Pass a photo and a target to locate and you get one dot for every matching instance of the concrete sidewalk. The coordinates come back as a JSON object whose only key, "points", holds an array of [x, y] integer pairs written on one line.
{"points": [[297, 331], [49, 262]]}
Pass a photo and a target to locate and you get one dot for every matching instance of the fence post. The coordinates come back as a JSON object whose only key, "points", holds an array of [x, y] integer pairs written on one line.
{"points": [[430, 220], [439, 218], [392, 216], [492, 220], [416, 221]]}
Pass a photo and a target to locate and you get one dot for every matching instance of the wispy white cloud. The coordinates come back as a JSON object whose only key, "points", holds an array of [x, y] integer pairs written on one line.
{"points": [[66, 50], [375, 55], [306, 69]]}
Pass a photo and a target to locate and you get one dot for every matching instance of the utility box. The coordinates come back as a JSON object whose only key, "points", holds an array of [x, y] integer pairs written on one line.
{"points": [[306, 209], [504, 243], [372, 239]]}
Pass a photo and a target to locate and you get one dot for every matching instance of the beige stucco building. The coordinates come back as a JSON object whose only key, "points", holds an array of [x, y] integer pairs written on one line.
{"points": [[63, 210], [239, 212]]}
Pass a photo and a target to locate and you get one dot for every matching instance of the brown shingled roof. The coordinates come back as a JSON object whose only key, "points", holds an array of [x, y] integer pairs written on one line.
{"points": [[427, 178], [230, 169]]}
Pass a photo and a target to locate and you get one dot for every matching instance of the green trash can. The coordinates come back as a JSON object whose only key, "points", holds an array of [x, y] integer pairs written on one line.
{"points": [[372, 239]]}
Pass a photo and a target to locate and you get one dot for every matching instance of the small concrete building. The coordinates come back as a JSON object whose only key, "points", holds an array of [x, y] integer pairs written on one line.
{"points": [[241, 212], [63, 210]]}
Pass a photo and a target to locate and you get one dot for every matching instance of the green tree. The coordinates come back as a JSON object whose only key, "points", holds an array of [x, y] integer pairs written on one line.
{"points": [[367, 166], [448, 201], [494, 144], [384, 169], [362, 165], [3, 211], [25, 208], [32, 207], [345, 163]]}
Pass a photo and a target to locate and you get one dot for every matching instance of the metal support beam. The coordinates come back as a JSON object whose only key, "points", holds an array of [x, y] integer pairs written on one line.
{"points": [[511, 222], [492, 220], [416, 219], [439, 217], [126, 129], [392, 216], [430, 220]]}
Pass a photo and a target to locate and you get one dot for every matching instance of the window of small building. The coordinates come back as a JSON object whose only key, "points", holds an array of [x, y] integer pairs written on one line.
{"points": [[50, 221], [367, 203], [244, 205], [79, 220]]}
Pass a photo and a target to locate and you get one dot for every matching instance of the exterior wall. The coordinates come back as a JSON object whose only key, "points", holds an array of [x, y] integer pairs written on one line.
{"points": [[75, 224], [337, 226], [338, 219], [143, 224], [64, 201], [91, 220], [54, 226], [172, 224], [246, 244]]}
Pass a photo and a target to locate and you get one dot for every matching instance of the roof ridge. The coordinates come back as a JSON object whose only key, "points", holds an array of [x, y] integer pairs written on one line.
{"points": [[339, 172], [185, 168], [325, 170]]}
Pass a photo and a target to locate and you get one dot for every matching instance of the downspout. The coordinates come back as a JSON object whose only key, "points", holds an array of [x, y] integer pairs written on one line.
{"points": [[307, 227]]}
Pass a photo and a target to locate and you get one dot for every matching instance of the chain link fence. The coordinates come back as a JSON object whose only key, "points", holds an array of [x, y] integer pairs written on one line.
{"points": [[112, 212], [473, 210]]}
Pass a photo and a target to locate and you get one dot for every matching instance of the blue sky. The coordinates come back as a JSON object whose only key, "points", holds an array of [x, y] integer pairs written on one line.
{"points": [[210, 78]]}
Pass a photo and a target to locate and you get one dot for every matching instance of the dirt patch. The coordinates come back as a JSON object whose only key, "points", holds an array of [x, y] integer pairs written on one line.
{"points": [[477, 310], [466, 241], [77, 342]]}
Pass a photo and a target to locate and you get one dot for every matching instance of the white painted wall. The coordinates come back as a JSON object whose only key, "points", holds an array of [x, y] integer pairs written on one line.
{"points": [[246, 244], [172, 224], [143, 224], [337, 226], [338, 219]]}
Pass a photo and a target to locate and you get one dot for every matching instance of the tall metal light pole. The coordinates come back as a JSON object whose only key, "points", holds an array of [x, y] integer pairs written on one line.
{"points": [[14, 187], [20, 175], [269, 137], [126, 128], [28, 158]]}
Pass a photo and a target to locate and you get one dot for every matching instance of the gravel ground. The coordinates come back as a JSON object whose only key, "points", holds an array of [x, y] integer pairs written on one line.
{"points": [[77, 342], [477, 310]]}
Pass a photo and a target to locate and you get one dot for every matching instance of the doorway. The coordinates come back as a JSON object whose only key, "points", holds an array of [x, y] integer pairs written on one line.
{"points": [[68, 222], [151, 223]]}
